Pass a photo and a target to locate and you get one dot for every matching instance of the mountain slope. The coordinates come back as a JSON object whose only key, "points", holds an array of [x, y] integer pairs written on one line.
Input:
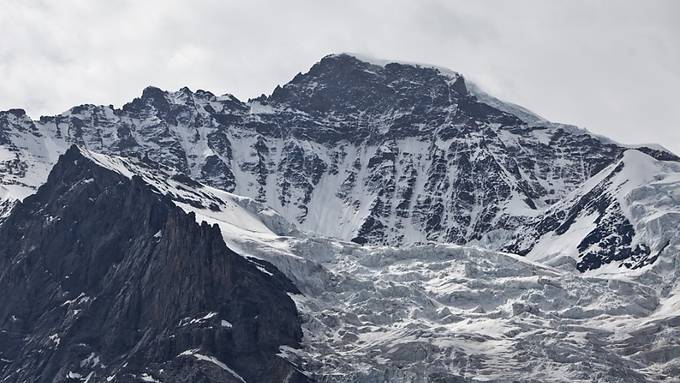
{"points": [[430, 313], [376, 153], [111, 281], [626, 215]]}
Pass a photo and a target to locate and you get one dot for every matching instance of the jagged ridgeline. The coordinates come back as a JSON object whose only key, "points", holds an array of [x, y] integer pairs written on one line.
{"points": [[104, 279], [372, 152]]}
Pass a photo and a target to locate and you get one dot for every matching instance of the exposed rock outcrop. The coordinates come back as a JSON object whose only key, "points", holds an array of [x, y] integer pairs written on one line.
{"points": [[106, 279]]}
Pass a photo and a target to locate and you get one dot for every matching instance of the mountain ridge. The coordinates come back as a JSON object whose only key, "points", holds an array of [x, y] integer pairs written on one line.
{"points": [[391, 154], [110, 280], [470, 86]]}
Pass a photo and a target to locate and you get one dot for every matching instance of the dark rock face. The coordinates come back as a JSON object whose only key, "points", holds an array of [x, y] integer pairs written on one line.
{"points": [[344, 98], [107, 278]]}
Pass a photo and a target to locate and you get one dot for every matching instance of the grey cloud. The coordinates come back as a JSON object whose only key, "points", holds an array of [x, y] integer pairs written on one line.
{"points": [[612, 67]]}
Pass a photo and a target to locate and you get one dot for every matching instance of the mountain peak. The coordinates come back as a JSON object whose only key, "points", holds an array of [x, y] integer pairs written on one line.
{"points": [[368, 59], [17, 112], [153, 92], [347, 84], [151, 95]]}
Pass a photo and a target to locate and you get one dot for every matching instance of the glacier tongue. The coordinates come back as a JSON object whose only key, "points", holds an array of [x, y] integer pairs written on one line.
{"points": [[447, 313], [437, 313]]}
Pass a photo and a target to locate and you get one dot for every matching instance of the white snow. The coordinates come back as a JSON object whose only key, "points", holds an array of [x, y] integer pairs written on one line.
{"points": [[55, 339], [647, 192], [382, 62], [145, 377], [189, 321], [213, 360], [263, 270], [259, 108], [550, 249]]}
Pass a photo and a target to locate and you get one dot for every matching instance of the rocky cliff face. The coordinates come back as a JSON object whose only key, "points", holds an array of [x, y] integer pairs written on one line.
{"points": [[370, 152], [105, 278]]}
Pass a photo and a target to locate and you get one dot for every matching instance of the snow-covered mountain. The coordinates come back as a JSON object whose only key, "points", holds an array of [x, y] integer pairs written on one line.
{"points": [[376, 196], [417, 313], [369, 151], [627, 214]]}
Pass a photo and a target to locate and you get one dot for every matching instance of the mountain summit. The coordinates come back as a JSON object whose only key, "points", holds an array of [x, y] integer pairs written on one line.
{"points": [[373, 152]]}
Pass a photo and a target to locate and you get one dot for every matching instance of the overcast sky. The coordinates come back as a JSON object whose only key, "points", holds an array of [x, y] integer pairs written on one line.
{"points": [[610, 66]]}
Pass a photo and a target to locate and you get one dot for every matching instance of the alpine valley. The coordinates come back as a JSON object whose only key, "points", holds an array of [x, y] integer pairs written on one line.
{"points": [[369, 221]]}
